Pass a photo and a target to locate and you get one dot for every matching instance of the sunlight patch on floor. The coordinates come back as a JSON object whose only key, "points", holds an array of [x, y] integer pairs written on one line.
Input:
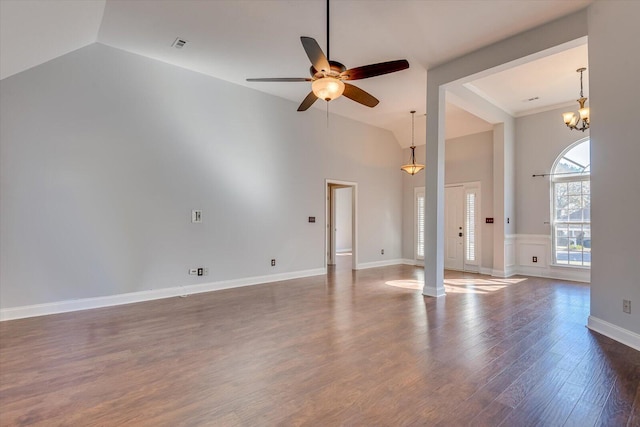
{"points": [[460, 286], [478, 286], [406, 284]]}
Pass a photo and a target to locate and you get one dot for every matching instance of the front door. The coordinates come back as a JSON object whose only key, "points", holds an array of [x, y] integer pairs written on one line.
{"points": [[453, 228]]}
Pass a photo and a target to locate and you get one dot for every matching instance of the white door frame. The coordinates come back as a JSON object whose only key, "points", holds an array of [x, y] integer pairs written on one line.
{"points": [[467, 187], [329, 233]]}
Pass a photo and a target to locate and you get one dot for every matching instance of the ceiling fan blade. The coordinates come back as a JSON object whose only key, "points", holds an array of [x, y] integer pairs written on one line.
{"points": [[315, 54], [373, 70], [281, 79], [356, 94], [308, 102]]}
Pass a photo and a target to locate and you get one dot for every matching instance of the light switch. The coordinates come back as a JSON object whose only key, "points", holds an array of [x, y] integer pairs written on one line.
{"points": [[196, 215]]}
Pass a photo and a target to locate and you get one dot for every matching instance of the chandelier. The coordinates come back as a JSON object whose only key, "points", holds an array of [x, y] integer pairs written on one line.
{"points": [[571, 119], [412, 167]]}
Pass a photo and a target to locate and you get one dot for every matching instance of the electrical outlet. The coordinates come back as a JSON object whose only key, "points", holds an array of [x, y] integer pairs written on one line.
{"points": [[535, 259], [626, 306], [273, 263], [382, 252], [200, 271]]}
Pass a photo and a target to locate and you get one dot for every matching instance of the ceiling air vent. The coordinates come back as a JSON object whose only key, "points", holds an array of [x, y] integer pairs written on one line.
{"points": [[179, 43]]}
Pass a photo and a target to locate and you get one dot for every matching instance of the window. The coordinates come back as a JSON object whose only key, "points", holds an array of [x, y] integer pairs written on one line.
{"points": [[571, 215], [470, 227], [419, 203]]}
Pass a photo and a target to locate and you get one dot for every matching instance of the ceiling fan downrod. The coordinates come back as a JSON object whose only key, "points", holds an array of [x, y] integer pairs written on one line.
{"points": [[328, 50]]}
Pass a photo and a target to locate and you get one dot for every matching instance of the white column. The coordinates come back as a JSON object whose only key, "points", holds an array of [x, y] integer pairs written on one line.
{"points": [[434, 193]]}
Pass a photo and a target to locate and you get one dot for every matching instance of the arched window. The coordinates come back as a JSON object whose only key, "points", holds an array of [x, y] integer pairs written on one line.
{"points": [[571, 211]]}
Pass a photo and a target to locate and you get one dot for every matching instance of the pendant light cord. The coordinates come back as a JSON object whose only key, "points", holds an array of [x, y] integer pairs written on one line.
{"points": [[581, 95], [413, 142], [413, 128]]}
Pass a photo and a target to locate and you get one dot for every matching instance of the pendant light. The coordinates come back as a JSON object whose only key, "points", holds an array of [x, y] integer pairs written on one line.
{"points": [[412, 167], [571, 119]]}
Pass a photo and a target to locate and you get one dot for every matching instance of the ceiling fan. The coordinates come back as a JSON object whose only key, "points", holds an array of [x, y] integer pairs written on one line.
{"points": [[328, 77]]}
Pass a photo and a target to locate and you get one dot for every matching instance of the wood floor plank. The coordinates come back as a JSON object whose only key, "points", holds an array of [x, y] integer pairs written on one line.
{"points": [[347, 348]]}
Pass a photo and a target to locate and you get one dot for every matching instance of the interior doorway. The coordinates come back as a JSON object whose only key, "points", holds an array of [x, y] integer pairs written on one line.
{"points": [[341, 224]]}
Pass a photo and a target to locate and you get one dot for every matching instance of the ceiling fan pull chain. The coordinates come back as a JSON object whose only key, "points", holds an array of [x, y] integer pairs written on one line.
{"points": [[327, 115]]}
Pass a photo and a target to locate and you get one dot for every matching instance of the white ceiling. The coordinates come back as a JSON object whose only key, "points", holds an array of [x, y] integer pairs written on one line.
{"points": [[34, 31], [544, 84], [237, 39]]}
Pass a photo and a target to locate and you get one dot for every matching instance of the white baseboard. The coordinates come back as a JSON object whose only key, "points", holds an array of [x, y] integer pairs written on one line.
{"points": [[375, 264], [153, 294], [415, 262], [486, 271], [504, 273], [432, 291], [614, 332], [560, 273]]}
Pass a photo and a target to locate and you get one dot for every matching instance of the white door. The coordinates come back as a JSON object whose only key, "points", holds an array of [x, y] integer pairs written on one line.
{"points": [[453, 228]]}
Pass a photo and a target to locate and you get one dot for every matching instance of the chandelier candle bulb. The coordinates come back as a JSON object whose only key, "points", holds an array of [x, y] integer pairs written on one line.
{"points": [[568, 117]]}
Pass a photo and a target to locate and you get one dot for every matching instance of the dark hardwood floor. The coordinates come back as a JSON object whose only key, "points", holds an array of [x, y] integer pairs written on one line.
{"points": [[350, 348]]}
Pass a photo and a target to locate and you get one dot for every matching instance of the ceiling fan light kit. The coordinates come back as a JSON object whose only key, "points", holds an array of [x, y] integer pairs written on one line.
{"points": [[412, 167], [570, 118], [328, 77], [327, 88]]}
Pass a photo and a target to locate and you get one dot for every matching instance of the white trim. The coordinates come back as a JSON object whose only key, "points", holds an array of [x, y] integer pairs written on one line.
{"points": [[540, 245], [507, 272], [153, 294], [486, 271], [432, 291], [354, 219], [342, 251], [552, 194], [385, 263], [414, 262], [614, 332]]}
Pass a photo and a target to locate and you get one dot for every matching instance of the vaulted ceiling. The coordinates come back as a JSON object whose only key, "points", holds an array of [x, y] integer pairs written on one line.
{"points": [[237, 39]]}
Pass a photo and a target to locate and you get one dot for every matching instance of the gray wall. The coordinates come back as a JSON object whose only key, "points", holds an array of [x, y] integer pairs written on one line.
{"points": [[615, 152], [467, 159], [105, 153], [540, 138]]}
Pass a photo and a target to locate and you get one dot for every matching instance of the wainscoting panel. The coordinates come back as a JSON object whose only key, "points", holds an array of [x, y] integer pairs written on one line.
{"points": [[539, 246]]}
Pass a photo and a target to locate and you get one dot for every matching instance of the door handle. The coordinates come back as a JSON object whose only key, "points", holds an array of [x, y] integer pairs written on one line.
{"points": [[459, 234]]}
